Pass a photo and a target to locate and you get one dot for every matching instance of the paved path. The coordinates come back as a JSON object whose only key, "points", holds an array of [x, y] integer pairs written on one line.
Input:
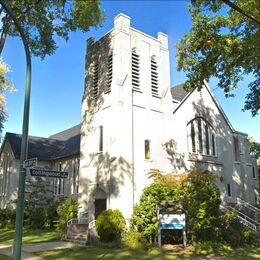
{"points": [[28, 249]]}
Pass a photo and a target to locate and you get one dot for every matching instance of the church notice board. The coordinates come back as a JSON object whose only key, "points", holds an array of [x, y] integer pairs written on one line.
{"points": [[171, 221]]}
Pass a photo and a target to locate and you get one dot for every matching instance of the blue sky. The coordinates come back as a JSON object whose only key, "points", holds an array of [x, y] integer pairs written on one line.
{"points": [[57, 81]]}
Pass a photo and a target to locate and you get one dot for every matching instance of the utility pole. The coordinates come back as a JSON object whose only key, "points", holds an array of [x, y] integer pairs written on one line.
{"points": [[17, 246]]}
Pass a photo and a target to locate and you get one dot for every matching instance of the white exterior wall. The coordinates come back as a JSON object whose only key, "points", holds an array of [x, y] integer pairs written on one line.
{"points": [[119, 173]]}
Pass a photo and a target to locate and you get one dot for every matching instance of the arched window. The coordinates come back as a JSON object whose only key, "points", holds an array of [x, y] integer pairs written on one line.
{"points": [[202, 139], [154, 77], [135, 70]]}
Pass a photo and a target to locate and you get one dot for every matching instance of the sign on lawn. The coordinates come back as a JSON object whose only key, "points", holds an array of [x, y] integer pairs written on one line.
{"points": [[29, 163], [48, 173], [172, 221]]}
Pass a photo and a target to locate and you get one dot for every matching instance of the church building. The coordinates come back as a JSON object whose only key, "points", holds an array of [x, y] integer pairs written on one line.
{"points": [[133, 122]]}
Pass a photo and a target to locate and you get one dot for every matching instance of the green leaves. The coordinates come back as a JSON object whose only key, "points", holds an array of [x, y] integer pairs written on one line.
{"points": [[222, 43], [42, 21]]}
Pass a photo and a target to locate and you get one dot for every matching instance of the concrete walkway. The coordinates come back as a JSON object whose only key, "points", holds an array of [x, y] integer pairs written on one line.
{"points": [[28, 249]]}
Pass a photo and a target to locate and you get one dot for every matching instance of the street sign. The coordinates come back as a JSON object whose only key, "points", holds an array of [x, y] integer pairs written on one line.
{"points": [[29, 163], [48, 173]]}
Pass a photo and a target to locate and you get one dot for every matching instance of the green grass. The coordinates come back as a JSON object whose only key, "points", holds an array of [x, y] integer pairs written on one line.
{"points": [[5, 257], [93, 252], [29, 235]]}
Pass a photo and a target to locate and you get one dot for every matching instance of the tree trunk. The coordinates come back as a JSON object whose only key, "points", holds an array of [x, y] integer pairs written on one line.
{"points": [[6, 27]]}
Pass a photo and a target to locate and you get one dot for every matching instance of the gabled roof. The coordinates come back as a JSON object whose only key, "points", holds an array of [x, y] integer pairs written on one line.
{"points": [[66, 134], [47, 148], [183, 98], [178, 92]]}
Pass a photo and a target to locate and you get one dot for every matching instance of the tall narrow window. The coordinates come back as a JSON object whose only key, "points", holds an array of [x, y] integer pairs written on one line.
{"points": [[101, 138], [95, 81], [135, 71], [193, 137], [229, 190], [147, 152], [200, 136], [253, 171], [213, 145], [236, 148], [109, 72], [154, 77], [207, 138]]}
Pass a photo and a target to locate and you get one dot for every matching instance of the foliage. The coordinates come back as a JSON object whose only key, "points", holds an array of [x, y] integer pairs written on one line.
{"points": [[40, 207], [202, 201], [134, 240], [110, 224], [7, 216], [254, 148], [67, 210], [5, 86], [43, 21], [222, 43], [234, 233], [144, 218]]}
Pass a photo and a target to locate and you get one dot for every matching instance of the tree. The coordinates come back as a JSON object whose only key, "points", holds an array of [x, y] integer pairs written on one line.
{"points": [[5, 85], [254, 148], [44, 20], [223, 43]]}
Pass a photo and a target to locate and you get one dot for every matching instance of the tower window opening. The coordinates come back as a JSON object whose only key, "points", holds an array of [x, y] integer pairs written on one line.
{"points": [[154, 77], [135, 71]]}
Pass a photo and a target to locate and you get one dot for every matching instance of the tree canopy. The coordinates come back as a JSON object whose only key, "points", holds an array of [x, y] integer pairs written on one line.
{"points": [[225, 44], [44, 20], [5, 85]]}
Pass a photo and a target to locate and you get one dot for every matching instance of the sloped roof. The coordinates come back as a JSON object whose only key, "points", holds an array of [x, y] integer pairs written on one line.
{"points": [[66, 134], [71, 147], [178, 92], [47, 148]]}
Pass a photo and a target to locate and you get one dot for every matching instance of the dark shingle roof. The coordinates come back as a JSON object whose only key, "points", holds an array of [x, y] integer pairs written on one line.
{"points": [[66, 134], [47, 148], [71, 147], [178, 92]]}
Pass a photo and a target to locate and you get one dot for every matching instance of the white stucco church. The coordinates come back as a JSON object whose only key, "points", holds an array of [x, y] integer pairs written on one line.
{"points": [[132, 122]]}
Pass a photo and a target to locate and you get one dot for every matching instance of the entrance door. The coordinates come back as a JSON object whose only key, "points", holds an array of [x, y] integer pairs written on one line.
{"points": [[100, 206]]}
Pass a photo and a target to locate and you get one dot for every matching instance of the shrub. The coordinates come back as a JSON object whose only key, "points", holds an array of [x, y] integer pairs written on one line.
{"points": [[7, 216], [67, 210], [144, 218], [134, 240], [110, 224]]}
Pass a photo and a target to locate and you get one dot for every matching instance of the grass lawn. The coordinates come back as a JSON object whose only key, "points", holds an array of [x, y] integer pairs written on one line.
{"points": [[93, 252], [4, 257], [29, 235]]}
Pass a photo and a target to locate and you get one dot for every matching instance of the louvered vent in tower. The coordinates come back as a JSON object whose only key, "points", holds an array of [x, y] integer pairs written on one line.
{"points": [[154, 77], [109, 72], [95, 81], [135, 71]]}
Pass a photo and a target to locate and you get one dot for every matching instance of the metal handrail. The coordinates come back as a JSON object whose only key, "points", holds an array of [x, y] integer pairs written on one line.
{"points": [[77, 221], [244, 215], [92, 224], [248, 205], [247, 221]]}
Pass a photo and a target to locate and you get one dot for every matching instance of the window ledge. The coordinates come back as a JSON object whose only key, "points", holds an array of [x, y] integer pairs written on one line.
{"points": [[137, 90], [156, 96], [237, 162]]}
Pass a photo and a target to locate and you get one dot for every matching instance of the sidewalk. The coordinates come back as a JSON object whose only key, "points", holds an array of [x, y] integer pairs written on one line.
{"points": [[28, 249]]}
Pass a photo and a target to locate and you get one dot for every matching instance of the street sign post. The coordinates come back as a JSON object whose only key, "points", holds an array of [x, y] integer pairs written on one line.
{"points": [[48, 173], [30, 163]]}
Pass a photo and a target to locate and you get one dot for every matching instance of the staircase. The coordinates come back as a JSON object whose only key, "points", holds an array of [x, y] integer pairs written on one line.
{"points": [[246, 213], [80, 231]]}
